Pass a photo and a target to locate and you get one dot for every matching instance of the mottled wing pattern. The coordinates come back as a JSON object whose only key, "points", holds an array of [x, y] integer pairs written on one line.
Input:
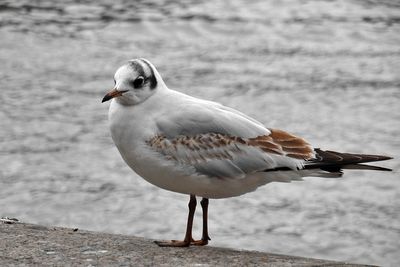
{"points": [[197, 148], [226, 156]]}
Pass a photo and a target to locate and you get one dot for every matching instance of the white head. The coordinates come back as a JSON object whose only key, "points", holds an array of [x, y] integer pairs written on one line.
{"points": [[135, 82]]}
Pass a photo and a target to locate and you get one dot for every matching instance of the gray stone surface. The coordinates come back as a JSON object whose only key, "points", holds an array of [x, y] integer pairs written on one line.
{"points": [[28, 244]]}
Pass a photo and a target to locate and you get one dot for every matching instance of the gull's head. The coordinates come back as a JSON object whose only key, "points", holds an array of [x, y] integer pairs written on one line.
{"points": [[135, 82]]}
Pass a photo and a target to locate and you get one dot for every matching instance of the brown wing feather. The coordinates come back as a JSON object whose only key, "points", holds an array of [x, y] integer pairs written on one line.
{"points": [[278, 142], [283, 143]]}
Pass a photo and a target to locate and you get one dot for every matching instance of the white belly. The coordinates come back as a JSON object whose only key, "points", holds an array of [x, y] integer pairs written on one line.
{"points": [[167, 174]]}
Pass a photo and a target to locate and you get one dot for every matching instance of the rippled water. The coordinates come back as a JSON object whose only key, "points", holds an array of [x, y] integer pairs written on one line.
{"points": [[325, 70]]}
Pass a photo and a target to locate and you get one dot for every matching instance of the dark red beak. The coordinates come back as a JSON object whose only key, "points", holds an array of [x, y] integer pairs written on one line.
{"points": [[113, 93]]}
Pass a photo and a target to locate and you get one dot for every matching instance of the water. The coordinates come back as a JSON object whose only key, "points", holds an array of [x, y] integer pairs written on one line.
{"points": [[325, 70]]}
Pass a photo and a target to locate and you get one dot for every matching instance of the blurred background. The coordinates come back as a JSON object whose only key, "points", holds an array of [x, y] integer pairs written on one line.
{"points": [[326, 70]]}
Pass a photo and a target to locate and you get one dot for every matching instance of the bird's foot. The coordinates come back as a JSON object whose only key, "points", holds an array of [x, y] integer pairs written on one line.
{"points": [[200, 242], [184, 243], [173, 243]]}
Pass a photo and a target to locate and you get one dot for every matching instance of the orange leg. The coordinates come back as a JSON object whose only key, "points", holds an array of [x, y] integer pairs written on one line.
{"points": [[188, 236], [204, 237]]}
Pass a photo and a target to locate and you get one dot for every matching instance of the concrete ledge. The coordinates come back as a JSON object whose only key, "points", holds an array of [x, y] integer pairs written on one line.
{"points": [[28, 244]]}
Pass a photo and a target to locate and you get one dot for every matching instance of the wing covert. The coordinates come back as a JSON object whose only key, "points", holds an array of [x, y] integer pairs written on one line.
{"points": [[223, 156]]}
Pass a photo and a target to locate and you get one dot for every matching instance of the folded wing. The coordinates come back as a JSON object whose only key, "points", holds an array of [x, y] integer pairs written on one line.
{"points": [[194, 116], [225, 156], [222, 142]]}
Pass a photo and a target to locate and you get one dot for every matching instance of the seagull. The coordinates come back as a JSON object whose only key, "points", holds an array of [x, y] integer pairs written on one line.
{"points": [[202, 148]]}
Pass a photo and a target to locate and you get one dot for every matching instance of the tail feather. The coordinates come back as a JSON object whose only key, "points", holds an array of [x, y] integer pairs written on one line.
{"points": [[333, 161]]}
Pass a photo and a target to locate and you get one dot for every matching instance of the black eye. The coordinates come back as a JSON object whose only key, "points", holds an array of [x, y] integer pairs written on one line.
{"points": [[115, 82], [138, 82]]}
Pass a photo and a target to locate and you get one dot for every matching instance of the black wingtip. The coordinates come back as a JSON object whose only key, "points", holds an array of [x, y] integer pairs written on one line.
{"points": [[386, 157], [333, 161], [366, 167]]}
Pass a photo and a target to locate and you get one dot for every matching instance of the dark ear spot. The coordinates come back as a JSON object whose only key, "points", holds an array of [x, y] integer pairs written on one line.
{"points": [[138, 82], [152, 77]]}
